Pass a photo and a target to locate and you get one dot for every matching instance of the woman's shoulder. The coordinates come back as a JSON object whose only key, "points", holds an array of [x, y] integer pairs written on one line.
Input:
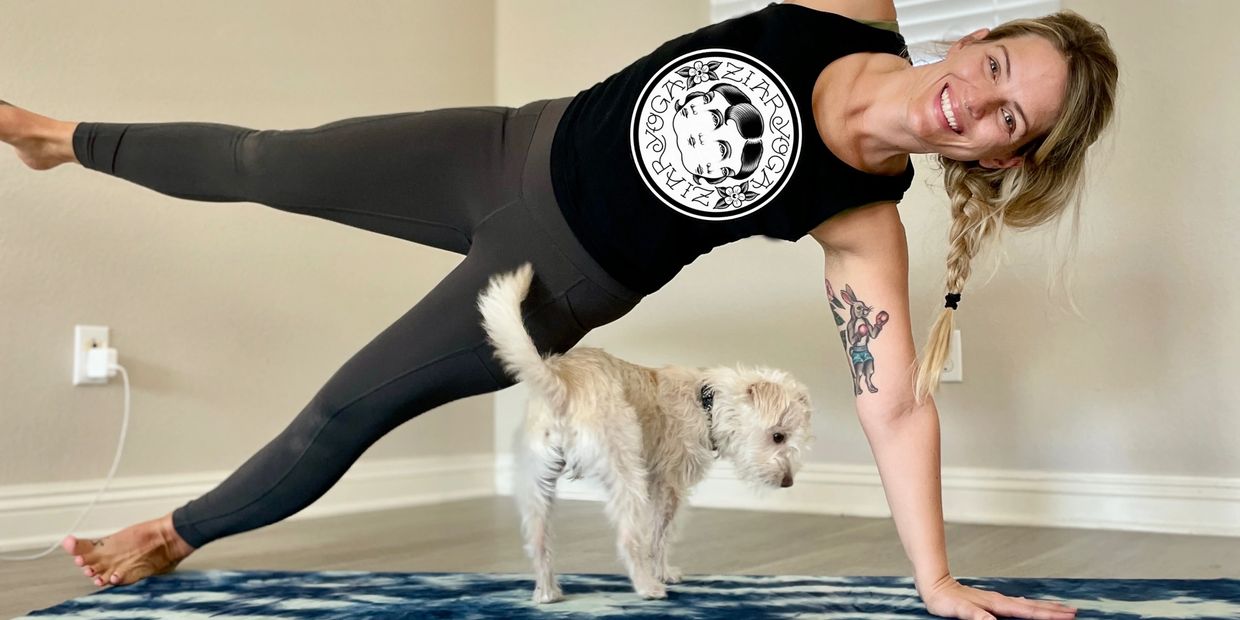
{"points": [[874, 12]]}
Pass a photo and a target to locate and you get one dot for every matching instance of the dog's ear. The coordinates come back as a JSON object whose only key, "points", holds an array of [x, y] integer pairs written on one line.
{"points": [[803, 398], [767, 396]]}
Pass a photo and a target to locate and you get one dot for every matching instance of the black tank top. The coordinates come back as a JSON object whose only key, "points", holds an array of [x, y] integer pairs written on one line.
{"points": [[710, 139]]}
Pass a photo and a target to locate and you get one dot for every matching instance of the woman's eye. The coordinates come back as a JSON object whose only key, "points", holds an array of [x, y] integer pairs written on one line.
{"points": [[722, 151], [717, 118], [994, 66], [1010, 121]]}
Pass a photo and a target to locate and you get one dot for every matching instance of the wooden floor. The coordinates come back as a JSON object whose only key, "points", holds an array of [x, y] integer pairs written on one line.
{"points": [[482, 536]]}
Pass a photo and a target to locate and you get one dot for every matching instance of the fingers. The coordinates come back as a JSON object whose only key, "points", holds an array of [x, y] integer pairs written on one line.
{"points": [[1035, 610], [965, 610], [1055, 605], [981, 614]]}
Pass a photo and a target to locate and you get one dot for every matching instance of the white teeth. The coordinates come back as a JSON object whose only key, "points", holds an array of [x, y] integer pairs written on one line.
{"points": [[946, 104]]}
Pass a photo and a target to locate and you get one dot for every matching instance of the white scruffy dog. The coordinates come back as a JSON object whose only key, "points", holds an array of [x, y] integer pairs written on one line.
{"points": [[648, 435]]}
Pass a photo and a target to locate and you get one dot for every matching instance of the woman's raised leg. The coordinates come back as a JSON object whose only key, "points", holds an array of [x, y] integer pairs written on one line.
{"points": [[427, 177]]}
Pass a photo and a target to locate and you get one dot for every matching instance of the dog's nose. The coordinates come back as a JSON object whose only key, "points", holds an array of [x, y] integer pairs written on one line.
{"points": [[787, 481]]}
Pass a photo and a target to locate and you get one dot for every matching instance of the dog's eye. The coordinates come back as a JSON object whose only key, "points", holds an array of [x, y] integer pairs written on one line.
{"points": [[778, 437]]}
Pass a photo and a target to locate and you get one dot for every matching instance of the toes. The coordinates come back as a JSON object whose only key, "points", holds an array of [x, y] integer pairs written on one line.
{"points": [[88, 571], [79, 560], [116, 578], [98, 582], [76, 546]]}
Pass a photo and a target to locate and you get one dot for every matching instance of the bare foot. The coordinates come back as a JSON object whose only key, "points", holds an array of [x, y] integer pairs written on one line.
{"points": [[41, 142], [130, 555]]}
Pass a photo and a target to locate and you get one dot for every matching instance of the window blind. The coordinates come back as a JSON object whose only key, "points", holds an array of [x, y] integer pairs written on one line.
{"points": [[925, 22]]}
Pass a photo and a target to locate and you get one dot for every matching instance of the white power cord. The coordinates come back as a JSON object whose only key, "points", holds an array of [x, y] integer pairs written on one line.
{"points": [[100, 362]]}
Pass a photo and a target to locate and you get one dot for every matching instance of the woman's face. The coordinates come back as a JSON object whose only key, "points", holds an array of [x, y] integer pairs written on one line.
{"points": [[989, 98], [710, 145]]}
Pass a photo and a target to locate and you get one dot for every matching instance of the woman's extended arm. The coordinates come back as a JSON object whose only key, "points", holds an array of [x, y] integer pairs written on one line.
{"points": [[867, 289], [867, 280]]}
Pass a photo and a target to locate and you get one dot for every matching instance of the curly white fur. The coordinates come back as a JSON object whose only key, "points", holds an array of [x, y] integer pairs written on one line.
{"points": [[641, 432]]}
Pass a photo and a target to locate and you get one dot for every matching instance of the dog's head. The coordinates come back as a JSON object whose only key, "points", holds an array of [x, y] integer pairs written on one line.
{"points": [[762, 423]]}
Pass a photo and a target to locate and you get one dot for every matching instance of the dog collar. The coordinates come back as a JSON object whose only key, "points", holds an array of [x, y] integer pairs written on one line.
{"points": [[707, 398]]}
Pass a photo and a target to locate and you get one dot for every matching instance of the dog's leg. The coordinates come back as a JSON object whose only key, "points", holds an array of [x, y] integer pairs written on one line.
{"points": [[629, 506], [666, 503], [541, 466]]}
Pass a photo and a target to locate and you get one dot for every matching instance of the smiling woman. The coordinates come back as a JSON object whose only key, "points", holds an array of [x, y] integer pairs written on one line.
{"points": [[798, 118], [1027, 100]]}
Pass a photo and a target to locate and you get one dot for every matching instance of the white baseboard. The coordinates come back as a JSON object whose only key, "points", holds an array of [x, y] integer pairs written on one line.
{"points": [[1166, 504], [34, 516]]}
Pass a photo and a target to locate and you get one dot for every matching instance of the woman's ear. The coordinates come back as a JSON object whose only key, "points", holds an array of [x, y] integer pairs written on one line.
{"points": [[1001, 163]]}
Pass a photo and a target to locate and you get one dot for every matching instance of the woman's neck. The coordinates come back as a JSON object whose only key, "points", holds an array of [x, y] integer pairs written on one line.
{"points": [[860, 108]]}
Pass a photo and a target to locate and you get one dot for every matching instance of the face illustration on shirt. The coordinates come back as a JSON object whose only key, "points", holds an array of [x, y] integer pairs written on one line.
{"points": [[710, 144], [715, 134]]}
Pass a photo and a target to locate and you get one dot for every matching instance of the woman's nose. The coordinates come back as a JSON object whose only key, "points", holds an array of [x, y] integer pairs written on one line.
{"points": [[981, 102]]}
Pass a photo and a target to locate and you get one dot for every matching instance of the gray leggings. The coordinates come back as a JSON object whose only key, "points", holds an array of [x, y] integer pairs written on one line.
{"points": [[475, 181]]}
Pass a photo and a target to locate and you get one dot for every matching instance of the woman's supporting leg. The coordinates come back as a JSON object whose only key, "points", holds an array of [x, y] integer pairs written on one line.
{"points": [[435, 353]]}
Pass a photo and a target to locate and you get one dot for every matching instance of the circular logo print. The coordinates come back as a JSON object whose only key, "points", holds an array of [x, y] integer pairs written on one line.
{"points": [[715, 134]]}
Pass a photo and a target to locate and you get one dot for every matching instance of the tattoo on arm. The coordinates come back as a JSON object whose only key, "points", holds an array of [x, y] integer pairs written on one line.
{"points": [[856, 333]]}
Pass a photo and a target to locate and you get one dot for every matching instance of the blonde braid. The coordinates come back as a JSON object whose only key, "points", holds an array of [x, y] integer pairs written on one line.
{"points": [[1047, 183], [974, 223]]}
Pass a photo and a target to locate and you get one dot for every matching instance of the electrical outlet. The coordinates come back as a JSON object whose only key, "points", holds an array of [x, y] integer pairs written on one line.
{"points": [[86, 337], [953, 368]]}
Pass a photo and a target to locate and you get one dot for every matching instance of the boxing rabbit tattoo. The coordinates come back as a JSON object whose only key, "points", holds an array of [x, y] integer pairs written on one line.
{"points": [[857, 333]]}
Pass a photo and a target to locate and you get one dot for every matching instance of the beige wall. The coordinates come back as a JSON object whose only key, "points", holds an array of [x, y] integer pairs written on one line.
{"points": [[1142, 384], [555, 48], [228, 316]]}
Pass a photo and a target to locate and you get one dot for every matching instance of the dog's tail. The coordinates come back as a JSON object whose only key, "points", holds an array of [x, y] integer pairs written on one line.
{"points": [[500, 305]]}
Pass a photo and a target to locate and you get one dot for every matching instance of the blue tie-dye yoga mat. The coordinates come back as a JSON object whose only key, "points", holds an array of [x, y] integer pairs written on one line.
{"points": [[256, 595]]}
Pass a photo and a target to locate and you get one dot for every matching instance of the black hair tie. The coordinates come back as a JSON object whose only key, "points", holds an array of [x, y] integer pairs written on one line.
{"points": [[952, 300]]}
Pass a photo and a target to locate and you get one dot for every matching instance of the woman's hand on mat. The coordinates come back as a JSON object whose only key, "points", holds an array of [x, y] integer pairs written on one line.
{"points": [[949, 599]]}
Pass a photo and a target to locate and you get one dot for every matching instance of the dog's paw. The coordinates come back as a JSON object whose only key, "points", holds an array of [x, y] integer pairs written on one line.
{"points": [[548, 595], [651, 591], [671, 574]]}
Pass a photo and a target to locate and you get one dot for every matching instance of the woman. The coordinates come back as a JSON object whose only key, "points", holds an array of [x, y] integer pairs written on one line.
{"points": [[594, 192]]}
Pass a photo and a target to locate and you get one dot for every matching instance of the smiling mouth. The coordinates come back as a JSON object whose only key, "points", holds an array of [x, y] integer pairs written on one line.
{"points": [[945, 106]]}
